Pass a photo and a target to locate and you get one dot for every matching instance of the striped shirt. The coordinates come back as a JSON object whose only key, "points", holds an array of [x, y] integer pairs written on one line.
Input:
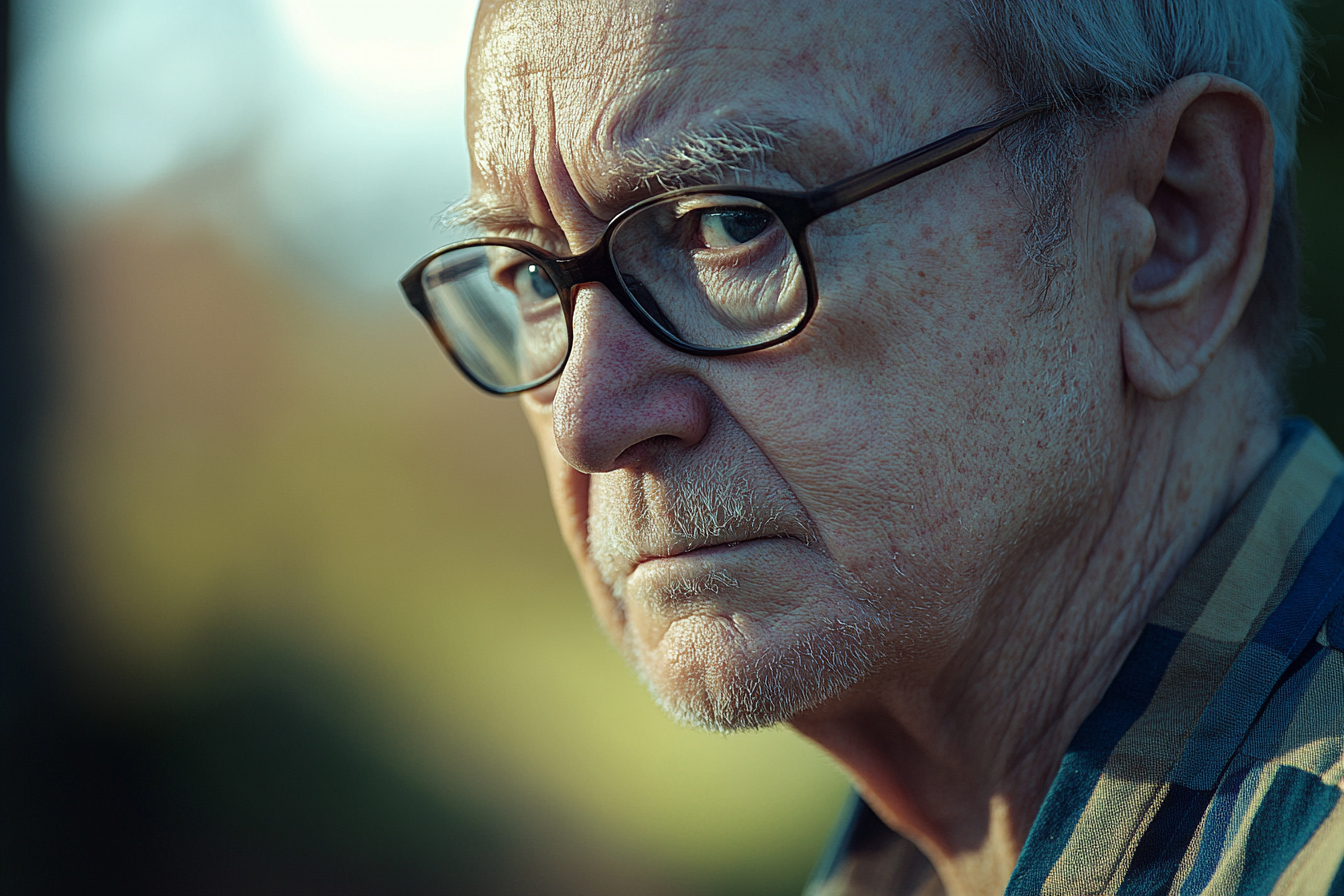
{"points": [[1213, 763]]}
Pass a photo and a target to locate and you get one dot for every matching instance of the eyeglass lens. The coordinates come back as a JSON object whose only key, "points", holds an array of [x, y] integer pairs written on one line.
{"points": [[715, 271], [500, 313]]}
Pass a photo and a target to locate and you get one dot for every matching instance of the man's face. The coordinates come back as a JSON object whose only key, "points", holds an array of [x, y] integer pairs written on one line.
{"points": [[762, 532]]}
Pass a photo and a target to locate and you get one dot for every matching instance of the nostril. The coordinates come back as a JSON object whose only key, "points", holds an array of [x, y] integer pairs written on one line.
{"points": [[603, 421], [642, 453]]}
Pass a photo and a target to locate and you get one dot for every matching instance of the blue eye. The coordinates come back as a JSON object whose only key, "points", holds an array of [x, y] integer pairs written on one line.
{"points": [[531, 282], [730, 227]]}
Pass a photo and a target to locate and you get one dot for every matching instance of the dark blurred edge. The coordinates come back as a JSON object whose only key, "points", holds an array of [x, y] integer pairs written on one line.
{"points": [[25, 680]]}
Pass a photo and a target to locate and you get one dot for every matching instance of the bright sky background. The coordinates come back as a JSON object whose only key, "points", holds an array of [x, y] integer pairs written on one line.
{"points": [[332, 128]]}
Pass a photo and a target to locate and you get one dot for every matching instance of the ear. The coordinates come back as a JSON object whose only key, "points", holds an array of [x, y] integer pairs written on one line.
{"points": [[1200, 194]]}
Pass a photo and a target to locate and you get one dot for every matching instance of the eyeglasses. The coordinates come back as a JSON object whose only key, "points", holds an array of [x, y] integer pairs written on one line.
{"points": [[712, 270]]}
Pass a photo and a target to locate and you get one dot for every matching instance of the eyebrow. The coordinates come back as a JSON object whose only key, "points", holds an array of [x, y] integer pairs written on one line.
{"points": [[719, 152]]}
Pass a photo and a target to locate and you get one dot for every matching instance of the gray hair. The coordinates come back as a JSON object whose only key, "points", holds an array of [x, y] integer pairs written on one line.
{"points": [[1096, 60]]}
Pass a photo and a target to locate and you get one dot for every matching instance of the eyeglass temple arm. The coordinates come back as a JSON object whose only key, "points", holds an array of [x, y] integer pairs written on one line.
{"points": [[953, 146]]}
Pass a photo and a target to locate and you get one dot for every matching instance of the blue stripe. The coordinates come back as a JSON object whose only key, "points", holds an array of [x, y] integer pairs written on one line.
{"points": [[1334, 631], [1307, 539], [1293, 431], [1124, 702], [1129, 694], [1317, 589], [1293, 808], [1227, 716], [1217, 820], [1169, 843], [838, 843], [1158, 855], [1259, 668], [1264, 740]]}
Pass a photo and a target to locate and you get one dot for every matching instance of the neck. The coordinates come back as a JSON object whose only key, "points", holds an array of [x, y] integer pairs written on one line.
{"points": [[959, 760]]}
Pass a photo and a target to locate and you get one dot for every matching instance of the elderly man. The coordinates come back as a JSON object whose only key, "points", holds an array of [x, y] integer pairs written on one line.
{"points": [[911, 372]]}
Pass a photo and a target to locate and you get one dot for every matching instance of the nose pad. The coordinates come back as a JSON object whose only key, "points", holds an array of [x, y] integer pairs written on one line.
{"points": [[621, 388]]}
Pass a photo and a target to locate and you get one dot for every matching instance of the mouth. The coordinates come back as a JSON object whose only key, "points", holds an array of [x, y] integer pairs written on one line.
{"points": [[702, 549]]}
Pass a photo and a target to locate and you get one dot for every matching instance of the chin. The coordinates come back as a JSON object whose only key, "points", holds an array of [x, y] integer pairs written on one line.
{"points": [[722, 673], [748, 634]]}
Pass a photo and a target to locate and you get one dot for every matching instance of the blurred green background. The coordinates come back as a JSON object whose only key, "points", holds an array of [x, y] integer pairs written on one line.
{"points": [[1318, 385], [310, 626]]}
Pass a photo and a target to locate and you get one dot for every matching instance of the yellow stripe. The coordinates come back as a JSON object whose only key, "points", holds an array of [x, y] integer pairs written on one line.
{"points": [[1334, 775], [1255, 570], [1102, 844]]}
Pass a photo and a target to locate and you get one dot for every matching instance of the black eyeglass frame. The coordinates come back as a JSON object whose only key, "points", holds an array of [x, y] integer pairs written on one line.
{"points": [[795, 211]]}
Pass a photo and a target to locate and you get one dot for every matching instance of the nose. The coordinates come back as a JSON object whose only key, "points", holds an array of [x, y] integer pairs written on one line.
{"points": [[622, 391]]}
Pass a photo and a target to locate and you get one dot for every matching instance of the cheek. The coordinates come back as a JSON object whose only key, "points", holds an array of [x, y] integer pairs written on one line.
{"points": [[569, 496], [928, 420], [568, 487]]}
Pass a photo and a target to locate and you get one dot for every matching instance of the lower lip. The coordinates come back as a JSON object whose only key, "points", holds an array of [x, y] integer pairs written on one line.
{"points": [[719, 575]]}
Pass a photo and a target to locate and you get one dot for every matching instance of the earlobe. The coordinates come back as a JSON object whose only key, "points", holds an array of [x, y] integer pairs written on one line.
{"points": [[1148, 369], [1204, 182]]}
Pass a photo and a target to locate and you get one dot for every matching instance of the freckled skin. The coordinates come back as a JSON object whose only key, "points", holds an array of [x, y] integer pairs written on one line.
{"points": [[987, 472]]}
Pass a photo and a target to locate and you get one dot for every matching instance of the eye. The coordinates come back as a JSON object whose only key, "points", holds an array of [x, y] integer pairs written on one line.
{"points": [[728, 228], [530, 283]]}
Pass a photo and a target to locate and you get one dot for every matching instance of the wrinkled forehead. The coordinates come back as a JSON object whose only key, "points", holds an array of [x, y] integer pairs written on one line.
{"points": [[581, 86]]}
